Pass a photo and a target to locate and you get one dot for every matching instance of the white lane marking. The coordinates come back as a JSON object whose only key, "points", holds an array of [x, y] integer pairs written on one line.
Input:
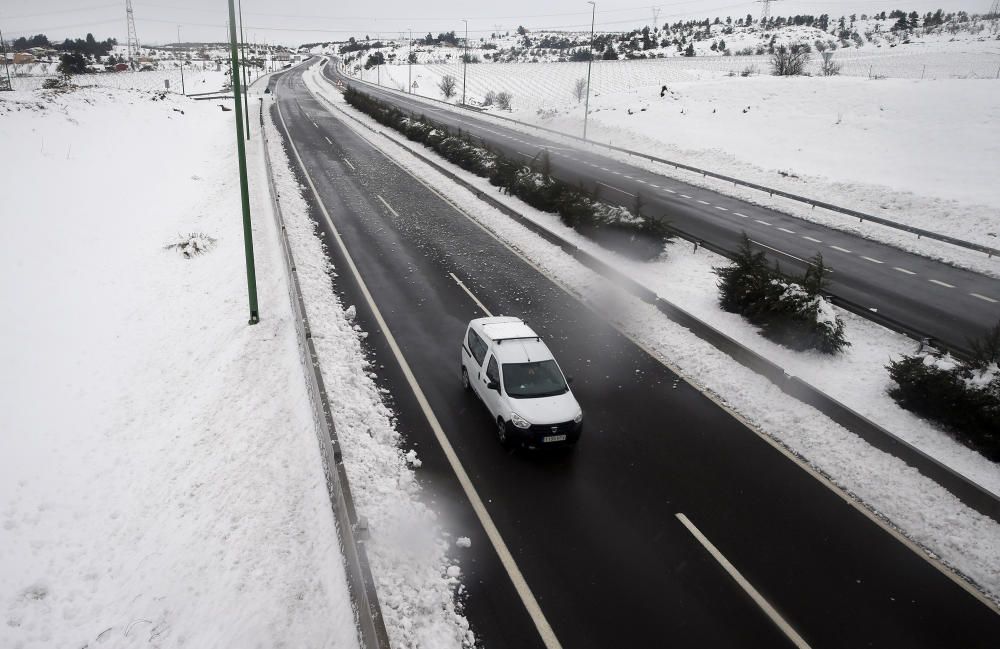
{"points": [[349, 164], [841, 249], [703, 202], [327, 140], [503, 552], [811, 239], [874, 261], [741, 215], [388, 207], [787, 230], [782, 252], [627, 176], [615, 188], [315, 124], [983, 297], [474, 298], [903, 270], [724, 209], [685, 196], [617, 173], [605, 169], [669, 190], [654, 186], [639, 180], [741, 581], [762, 222], [940, 283]]}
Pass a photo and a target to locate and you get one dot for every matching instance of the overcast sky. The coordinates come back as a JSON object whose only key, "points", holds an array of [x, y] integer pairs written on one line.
{"points": [[292, 22]]}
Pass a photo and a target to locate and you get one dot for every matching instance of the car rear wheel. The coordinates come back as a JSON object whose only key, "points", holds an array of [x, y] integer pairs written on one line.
{"points": [[465, 380]]}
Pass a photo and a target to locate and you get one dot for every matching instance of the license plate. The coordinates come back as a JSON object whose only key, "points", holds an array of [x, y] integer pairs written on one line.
{"points": [[554, 438]]}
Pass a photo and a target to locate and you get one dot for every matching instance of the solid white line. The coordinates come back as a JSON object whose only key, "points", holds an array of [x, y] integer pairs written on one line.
{"points": [[787, 230], [703, 202], [724, 209], [811, 239], [327, 140], [841, 249], [762, 222], [781, 252], [874, 261], [944, 284], [503, 552], [747, 587], [615, 188], [983, 297], [474, 298], [349, 164], [741, 215], [389, 207], [903, 270]]}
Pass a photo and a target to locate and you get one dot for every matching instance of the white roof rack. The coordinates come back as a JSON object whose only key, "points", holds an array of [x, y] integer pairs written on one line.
{"points": [[500, 331]]}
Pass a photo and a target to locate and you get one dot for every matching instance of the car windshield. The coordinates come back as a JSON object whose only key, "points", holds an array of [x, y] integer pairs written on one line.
{"points": [[529, 380]]}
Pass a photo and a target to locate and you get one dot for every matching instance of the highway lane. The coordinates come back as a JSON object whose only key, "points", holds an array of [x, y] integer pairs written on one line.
{"points": [[595, 533], [950, 304]]}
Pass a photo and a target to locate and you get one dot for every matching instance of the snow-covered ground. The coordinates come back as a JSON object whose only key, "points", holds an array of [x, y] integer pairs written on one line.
{"points": [[919, 152], [160, 478], [919, 507]]}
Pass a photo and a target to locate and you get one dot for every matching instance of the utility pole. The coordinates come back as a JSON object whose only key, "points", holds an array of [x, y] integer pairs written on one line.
{"points": [[183, 91], [378, 66], [133, 39], [245, 73], [590, 63], [409, 68], [465, 58], [242, 154]]}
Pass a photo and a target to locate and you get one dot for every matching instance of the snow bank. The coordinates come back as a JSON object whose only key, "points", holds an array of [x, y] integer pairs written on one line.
{"points": [[160, 480]]}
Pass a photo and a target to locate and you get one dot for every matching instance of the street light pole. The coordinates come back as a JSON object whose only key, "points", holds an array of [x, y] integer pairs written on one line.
{"points": [[183, 92], [465, 58], [409, 66], [590, 62], [245, 72], [242, 154]]}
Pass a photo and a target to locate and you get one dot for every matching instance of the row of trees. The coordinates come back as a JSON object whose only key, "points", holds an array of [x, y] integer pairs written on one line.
{"points": [[89, 46]]}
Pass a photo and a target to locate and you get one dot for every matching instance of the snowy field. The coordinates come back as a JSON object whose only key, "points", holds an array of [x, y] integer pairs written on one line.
{"points": [[919, 507], [920, 152], [196, 79], [160, 478]]}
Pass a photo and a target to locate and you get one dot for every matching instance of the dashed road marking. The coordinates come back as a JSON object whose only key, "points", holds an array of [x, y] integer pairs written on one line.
{"points": [[349, 164], [742, 582], [328, 141], [940, 283], [702, 202], [724, 209], [983, 297], [315, 124], [762, 222], [811, 239], [654, 186], [787, 230], [741, 215], [474, 298], [388, 207], [903, 270], [669, 190], [685, 196], [616, 189], [841, 249], [874, 261]]}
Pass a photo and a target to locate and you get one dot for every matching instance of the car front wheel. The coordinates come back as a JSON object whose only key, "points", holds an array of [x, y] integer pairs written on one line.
{"points": [[502, 433], [465, 380]]}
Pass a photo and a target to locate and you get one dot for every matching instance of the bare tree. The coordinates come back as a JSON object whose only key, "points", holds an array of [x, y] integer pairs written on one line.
{"points": [[579, 89], [447, 86], [503, 100], [828, 68], [789, 61]]}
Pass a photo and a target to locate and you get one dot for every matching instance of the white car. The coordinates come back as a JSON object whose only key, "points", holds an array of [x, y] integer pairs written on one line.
{"points": [[509, 367]]}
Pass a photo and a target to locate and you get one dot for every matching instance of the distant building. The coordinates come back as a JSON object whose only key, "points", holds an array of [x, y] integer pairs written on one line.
{"points": [[21, 58]]}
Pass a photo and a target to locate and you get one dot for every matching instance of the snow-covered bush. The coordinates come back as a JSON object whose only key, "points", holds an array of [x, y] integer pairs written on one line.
{"points": [[789, 61], [963, 397], [192, 244], [793, 314], [504, 100]]}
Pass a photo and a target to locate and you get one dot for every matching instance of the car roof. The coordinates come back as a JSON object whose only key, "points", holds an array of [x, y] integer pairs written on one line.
{"points": [[522, 350]]}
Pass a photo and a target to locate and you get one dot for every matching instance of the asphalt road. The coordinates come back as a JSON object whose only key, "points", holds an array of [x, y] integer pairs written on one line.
{"points": [[595, 532], [947, 303]]}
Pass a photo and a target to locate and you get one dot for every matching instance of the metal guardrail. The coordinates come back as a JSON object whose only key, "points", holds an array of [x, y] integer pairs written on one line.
{"points": [[966, 490], [862, 216], [371, 625]]}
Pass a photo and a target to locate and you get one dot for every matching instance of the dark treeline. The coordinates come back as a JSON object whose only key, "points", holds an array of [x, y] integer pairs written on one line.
{"points": [[88, 46]]}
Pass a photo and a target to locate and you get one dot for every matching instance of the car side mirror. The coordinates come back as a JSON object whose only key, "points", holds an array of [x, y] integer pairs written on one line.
{"points": [[493, 385]]}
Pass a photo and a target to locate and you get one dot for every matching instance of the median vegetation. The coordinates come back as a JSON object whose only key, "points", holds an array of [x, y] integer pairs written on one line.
{"points": [[791, 313], [626, 231], [961, 396]]}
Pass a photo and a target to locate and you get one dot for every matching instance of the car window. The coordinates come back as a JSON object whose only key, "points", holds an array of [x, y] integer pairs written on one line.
{"points": [[477, 346], [538, 379], [492, 371]]}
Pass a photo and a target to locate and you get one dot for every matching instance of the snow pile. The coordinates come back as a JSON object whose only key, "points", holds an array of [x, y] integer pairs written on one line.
{"points": [[160, 479], [416, 581]]}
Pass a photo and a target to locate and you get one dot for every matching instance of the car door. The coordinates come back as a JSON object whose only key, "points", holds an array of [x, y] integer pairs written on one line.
{"points": [[491, 373], [473, 355]]}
